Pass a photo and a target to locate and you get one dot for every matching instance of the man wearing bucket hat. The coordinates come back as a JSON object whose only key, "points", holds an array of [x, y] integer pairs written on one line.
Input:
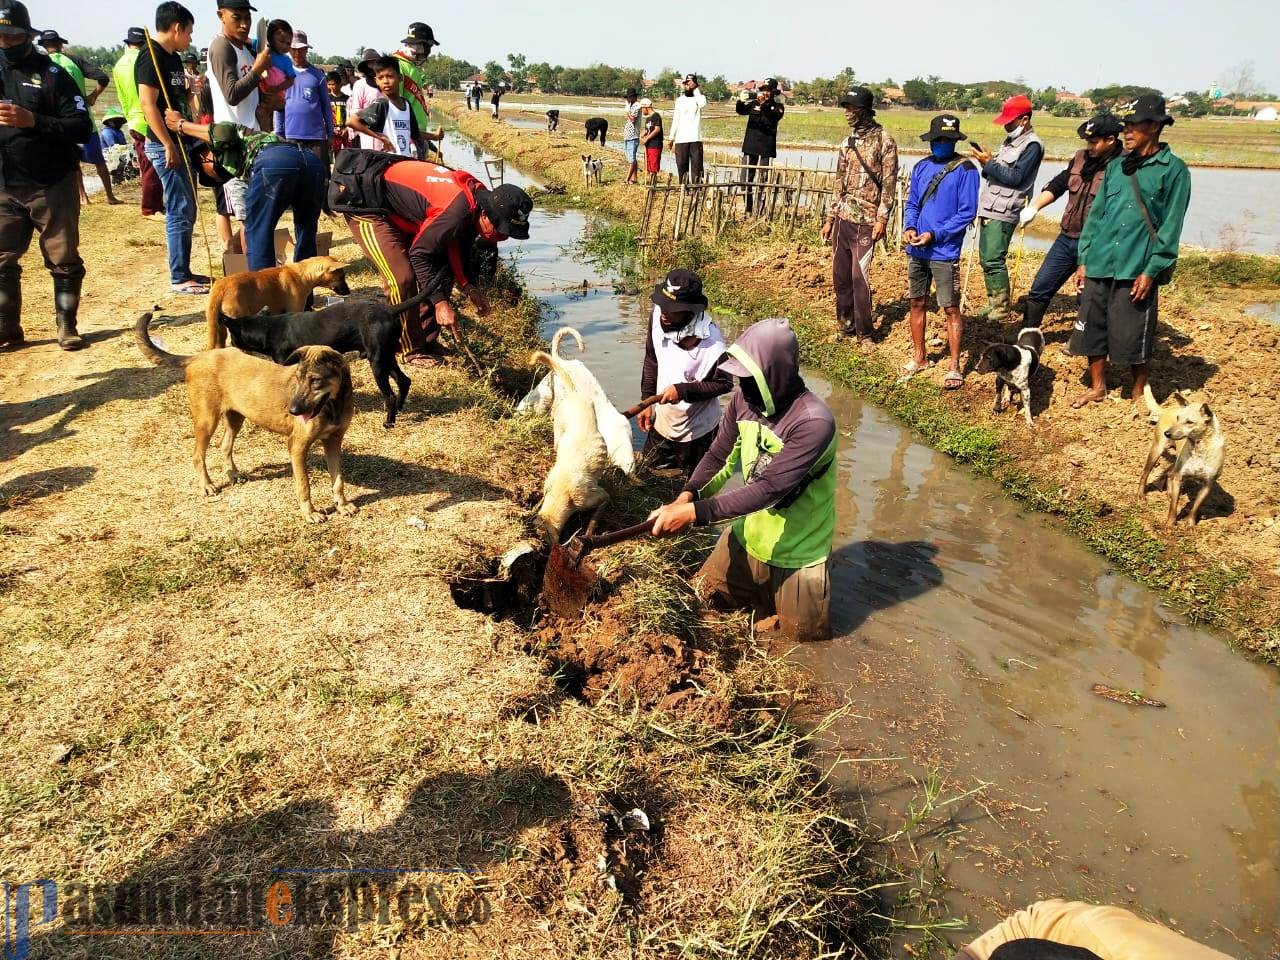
{"points": [[760, 141], [774, 559], [1010, 176], [81, 72], [681, 358], [941, 203], [1128, 249], [412, 54], [1080, 181], [418, 222], [861, 204], [43, 120]]}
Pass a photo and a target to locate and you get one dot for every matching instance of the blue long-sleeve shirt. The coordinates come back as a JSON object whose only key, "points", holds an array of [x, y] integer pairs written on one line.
{"points": [[947, 214], [307, 114]]}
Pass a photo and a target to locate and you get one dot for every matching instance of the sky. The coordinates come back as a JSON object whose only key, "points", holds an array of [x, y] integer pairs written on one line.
{"points": [[1174, 45]]}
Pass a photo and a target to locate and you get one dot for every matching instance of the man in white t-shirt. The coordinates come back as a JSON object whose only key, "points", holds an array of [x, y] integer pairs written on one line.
{"points": [[686, 130]]}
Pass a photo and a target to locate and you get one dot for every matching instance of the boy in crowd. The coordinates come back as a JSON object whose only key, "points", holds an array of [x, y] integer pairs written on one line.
{"points": [[1128, 248], [158, 90], [651, 138], [391, 119], [681, 365], [630, 135], [941, 203], [338, 105]]}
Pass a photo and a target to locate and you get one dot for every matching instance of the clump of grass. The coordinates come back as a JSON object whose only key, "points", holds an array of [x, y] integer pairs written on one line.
{"points": [[611, 244], [1209, 270]]}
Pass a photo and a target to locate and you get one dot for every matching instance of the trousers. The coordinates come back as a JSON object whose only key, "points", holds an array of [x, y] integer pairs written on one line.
{"points": [[285, 177], [850, 243]]}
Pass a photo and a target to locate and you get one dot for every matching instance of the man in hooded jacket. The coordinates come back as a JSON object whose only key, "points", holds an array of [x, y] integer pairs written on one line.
{"points": [[775, 557]]}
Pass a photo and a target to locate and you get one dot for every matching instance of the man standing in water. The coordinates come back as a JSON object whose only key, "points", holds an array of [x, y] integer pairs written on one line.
{"points": [[861, 204], [1128, 248], [774, 559]]}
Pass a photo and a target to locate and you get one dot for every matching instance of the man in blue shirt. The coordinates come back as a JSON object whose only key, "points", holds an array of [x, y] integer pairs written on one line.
{"points": [[942, 202], [307, 117]]}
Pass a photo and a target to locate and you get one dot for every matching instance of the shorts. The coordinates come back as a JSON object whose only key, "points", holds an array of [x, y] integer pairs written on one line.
{"points": [[91, 152], [943, 275], [653, 159], [237, 192], [1112, 325], [630, 148]]}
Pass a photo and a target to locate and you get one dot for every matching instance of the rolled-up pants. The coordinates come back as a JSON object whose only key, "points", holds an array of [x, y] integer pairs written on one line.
{"points": [[800, 598], [850, 243]]}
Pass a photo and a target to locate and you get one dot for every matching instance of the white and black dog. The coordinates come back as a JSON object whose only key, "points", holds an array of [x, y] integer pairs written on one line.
{"points": [[1014, 364], [591, 167]]}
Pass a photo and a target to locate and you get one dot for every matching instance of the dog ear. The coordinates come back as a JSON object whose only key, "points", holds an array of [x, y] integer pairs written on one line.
{"points": [[1180, 397], [296, 357], [1205, 411]]}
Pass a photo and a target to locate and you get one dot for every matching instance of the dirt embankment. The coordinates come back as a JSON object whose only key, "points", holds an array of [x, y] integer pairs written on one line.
{"points": [[1082, 465]]}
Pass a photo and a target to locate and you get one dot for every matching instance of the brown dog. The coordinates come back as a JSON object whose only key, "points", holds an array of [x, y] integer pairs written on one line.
{"points": [[277, 290], [309, 402]]}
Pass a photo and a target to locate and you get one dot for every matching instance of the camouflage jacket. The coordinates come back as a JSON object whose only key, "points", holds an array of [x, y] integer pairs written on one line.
{"points": [[856, 197]]}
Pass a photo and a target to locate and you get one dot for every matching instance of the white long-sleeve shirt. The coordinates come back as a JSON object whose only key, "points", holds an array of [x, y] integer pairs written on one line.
{"points": [[686, 118]]}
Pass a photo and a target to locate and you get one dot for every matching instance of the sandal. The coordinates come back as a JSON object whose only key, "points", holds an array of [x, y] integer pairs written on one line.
{"points": [[911, 368], [201, 278], [954, 380], [191, 288], [422, 361]]}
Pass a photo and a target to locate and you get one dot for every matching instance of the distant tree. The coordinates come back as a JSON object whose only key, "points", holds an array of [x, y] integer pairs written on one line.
{"points": [[717, 88], [1118, 93], [104, 58], [1198, 105], [1241, 81], [667, 82], [1045, 99], [988, 103], [1068, 108], [517, 63], [444, 72], [920, 93], [494, 73]]}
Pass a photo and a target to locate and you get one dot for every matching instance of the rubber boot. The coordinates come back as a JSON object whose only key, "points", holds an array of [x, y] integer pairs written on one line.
{"points": [[11, 311], [66, 298], [997, 307], [1033, 315]]}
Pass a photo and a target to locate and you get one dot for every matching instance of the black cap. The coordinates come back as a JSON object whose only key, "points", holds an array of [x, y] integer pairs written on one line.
{"points": [[14, 19], [368, 55], [945, 126], [190, 58], [631, 93], [421, 33], [508, 207], [769, 84], [1103, 125], [690, 77], [859, 98], [681, 292], [235, 5], [135, 37], [1149, 106], [52, 36]]}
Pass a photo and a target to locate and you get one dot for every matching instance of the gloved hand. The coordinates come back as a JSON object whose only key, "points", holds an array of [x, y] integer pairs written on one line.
{"points": [[1028, 214], [744, 95]]}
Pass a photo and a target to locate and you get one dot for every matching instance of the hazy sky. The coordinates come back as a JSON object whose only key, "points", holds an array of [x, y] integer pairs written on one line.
{"points": [[1174, 45]]}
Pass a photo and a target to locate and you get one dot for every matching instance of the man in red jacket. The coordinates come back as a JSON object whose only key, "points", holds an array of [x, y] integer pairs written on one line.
{"points": [[421, 240]]}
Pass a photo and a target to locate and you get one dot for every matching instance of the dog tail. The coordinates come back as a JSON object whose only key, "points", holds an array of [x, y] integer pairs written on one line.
{"points": [[552, 362], [560, 335], [399, 308], [150, 350], [1153, 408]]}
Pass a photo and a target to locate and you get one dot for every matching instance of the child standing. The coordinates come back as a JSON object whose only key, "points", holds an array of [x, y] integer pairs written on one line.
{"points": [[338, 102], [651, 138], [390, 118]]}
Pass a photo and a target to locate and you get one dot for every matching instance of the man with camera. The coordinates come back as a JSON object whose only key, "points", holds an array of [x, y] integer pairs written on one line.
{"points": [[43, 120], [760, 143], [686, 130]]}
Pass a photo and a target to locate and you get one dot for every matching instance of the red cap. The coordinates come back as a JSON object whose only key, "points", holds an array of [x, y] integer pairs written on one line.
{"points": [[1013, 108]]}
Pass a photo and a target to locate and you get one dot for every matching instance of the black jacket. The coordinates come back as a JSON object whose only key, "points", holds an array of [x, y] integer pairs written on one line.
{"points": [[44, 154], [761, 139]]}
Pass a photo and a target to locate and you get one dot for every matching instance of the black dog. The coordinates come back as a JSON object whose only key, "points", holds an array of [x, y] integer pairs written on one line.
{"points": [[1014, 364], [369, 328], [597, 129], [553, 120]]}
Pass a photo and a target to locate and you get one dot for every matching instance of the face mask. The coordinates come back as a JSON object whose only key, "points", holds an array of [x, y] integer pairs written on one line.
{"points": [[942, 149], [15, 54]]}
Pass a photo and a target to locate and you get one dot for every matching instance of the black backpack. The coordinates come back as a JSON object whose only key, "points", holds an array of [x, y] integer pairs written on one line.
{"points": [[356, 186]]}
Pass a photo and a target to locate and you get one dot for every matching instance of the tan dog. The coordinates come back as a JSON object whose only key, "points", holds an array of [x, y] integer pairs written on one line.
{"points": [[573, 483], [1187, 435], [277, 290], [306, 403]]}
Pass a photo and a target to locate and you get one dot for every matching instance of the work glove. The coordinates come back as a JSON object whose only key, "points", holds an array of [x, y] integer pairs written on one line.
{"points": [[744, 95], [1028, 214]]}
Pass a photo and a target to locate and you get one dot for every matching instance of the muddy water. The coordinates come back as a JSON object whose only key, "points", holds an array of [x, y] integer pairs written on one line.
{"points": [[1230, 209], [968, 637]]}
